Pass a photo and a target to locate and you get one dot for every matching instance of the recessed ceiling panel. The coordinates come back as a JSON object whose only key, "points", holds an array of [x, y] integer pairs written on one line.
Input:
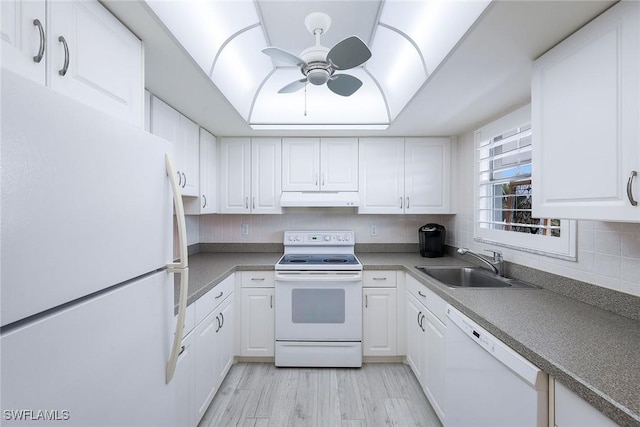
{"points": [[321, 105], [241, 68]]}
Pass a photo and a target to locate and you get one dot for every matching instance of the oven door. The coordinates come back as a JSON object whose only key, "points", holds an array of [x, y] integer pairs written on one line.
{"points": [[318, 306]]}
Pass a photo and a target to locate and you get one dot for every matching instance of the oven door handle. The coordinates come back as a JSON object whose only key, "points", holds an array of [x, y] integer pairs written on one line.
{"points": [[319, 277]]}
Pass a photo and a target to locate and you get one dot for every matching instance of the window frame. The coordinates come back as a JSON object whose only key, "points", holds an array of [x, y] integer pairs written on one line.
{"points": [[563, 247]]}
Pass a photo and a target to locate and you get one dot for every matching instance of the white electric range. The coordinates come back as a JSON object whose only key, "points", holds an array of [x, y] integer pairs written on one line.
{"points": [[318, 293]]}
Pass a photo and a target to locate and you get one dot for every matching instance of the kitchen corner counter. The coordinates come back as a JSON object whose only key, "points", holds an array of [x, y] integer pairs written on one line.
{"points": [[594, 352]]}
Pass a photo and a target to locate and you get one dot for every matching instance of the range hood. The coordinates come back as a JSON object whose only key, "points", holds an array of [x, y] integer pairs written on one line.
{"points": [[320, 199]]}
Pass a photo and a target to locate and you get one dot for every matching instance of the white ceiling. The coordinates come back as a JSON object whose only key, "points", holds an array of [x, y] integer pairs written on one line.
{"points": [[486, 75]]}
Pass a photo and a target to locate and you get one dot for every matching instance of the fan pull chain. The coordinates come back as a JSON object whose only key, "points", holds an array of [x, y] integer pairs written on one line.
{"points": [[305, 99]]}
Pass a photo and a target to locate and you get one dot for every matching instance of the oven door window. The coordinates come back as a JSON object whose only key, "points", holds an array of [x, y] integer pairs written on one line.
{"points": [[317, 305]]}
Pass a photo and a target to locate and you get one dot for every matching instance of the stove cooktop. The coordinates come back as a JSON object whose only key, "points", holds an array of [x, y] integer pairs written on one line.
{"points": [[319, 259]]}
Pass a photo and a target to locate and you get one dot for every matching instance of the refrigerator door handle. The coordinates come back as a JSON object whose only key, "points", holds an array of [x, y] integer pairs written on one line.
{"points": [[182, 228], [182, 309]]}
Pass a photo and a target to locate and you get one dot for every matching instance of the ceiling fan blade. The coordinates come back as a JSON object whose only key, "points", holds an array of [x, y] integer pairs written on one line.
{"points": [[283, 55], [344, 84], [293, 87], [349, 53]]}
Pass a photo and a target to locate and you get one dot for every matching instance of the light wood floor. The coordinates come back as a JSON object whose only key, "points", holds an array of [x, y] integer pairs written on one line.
{"points": [[378, 394]]}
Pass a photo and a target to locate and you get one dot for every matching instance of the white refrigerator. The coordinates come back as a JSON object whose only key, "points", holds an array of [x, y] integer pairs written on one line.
{"points": [[88, 332]]}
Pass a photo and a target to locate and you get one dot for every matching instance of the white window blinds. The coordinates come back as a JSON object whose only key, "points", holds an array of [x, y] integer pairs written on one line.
{"points": [[504, 184]]}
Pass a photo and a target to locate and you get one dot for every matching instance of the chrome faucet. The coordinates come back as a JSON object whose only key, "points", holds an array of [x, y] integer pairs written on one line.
{"points": [[496, 264]]}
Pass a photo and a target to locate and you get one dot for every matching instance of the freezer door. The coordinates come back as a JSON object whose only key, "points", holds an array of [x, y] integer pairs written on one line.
{"points": [[98, 363], [86, 203]]}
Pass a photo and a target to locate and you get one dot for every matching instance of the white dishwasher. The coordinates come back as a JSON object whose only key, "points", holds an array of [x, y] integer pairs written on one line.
{"points": [[487, 383]]}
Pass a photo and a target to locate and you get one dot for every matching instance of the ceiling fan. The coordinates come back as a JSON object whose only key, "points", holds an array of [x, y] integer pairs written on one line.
{"points": [[318, 63]]}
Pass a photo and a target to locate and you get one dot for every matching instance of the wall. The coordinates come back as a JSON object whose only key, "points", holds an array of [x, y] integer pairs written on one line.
{"points": [[608, 253], [269, 228]]}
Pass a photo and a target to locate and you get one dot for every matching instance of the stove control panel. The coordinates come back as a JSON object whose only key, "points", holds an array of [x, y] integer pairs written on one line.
{"points": [[319, 238]]}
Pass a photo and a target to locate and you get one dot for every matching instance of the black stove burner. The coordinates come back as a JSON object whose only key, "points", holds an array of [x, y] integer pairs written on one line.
{"points": [[319, 259]]}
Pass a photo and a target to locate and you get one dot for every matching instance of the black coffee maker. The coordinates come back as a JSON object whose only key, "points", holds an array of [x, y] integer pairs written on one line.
{"points": [[431, 237]]}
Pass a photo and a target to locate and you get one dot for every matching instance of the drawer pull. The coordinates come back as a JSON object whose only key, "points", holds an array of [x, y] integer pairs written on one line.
{"points": [[219, 295], [258, 279], [379, 278], [421, 294], [630, 188], [65, 67], [40, 54]]}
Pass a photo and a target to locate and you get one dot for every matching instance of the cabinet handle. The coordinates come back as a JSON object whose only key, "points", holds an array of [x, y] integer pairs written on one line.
{"points": [[366, 301], [184, 180], [43, 41], [630, 188], [257, 279], [253, 202], [407, 202], [316, 180], [379, 278], [204, 201], [401, 200], [218, 326], [222, 317], [65, 67], [421, 325], [421, 294], [219, 295], [419, 314], [270, 301], [179, 179], [323, 179]]}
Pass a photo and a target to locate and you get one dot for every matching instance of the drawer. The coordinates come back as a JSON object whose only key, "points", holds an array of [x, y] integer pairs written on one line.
{"points": [[430, 300], [379, 278], [257, 279], [209, 301]]}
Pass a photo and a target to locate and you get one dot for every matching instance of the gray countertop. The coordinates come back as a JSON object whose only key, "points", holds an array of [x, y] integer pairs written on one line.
{"points": [[594, 352]]}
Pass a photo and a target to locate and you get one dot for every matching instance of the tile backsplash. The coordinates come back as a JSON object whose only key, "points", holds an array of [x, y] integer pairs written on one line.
{"points": [[270, 228]]}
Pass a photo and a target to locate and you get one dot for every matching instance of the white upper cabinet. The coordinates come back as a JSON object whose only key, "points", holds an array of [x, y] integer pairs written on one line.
{"points": [[24, 36], [586, 121], [250, 180], [208, 201], [169, 124], [79, 49], [405, 175], [314, 164]]}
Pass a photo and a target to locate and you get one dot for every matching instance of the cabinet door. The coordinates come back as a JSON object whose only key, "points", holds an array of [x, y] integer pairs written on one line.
{"points": [[257, 334], [300, 164], [266, 176], [184, 377], [164, 121], [433, 375], [103, 59], [416, 348], [339, 164], [381, 182], [426, 184], [205, 362], [22, 40], [187, 150], [586, 121], [379, 325], [570, 410], [224, 341], [207, 203], [235, 175]]}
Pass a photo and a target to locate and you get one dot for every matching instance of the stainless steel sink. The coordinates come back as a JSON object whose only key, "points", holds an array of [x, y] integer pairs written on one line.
{"points": [[470, 277]]}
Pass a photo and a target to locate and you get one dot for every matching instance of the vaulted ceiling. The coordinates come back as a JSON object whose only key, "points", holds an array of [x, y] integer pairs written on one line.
{"points": [[422, 78]]}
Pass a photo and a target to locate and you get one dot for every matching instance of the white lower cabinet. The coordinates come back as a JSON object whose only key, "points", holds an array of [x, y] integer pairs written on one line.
{"points": [[572, 411], [206, 354], [257, 331], [379, 314], [426, 341]]}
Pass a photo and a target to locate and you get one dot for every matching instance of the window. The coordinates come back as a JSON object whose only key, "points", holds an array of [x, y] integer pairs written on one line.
{"points": [[504, 186]]}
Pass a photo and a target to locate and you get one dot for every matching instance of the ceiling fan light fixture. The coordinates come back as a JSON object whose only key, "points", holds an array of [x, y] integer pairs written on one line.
{"points": [[318, 77]]}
